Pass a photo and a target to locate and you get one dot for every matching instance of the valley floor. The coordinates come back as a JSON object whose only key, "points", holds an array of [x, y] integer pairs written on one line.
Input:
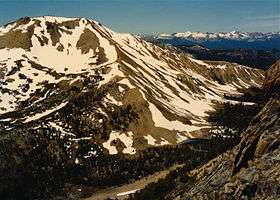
{"points": [[122, 192]]}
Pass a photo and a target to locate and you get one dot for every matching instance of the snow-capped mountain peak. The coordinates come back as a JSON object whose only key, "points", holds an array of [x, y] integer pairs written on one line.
{"points": [[87, 82]]}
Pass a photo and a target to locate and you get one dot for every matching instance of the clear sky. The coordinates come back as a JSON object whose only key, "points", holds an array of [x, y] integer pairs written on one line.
{"points": [[157, 16]]}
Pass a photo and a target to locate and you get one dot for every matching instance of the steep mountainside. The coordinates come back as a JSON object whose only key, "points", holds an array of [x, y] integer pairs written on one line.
{"points": [[272, 82], [251, 169], [162, 96], [86, 82]]}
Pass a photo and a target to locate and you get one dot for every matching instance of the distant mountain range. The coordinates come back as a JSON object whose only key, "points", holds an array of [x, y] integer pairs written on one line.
{"points": [[224, 40], [257, 50], [234, 35]]}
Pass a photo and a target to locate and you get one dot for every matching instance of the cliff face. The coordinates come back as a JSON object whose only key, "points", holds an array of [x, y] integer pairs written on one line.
{"points": [[252, 169], [261, 137], [272, 81]]}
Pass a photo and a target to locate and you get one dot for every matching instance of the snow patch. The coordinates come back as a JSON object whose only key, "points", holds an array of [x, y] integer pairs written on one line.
{"points": [[126, 138], [151, 140], [127, 193], [45, 113]]}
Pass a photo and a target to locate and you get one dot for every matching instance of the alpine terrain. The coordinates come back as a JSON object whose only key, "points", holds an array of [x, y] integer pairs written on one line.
{"points": [[83, 107], [234, 39], [249, 171], [253, 49]]}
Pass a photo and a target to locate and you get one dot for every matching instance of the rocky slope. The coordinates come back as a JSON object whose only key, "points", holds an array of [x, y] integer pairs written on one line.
{"points": [[251, 169], [272, 82]]}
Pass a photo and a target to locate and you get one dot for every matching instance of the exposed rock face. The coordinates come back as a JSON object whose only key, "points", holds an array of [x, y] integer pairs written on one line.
{"points": [[262, 136], [272, 82], [251, 169], [17, 38]]}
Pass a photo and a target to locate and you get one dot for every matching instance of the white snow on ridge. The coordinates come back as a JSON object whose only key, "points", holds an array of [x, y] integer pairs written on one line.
{"points": [[7, 103], [125, 81], [113, 73], [151, 140], [112, 100], [6, 29], [151, 74], [181, 137], [45, 113], [71, 57], [59, 128], [197, 35], [161, 121], [55, 19], [15, 83], [200, 62]]}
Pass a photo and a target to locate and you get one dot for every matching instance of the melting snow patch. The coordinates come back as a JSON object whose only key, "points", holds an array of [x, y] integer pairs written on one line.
{"points": [[163, 141], [126, 193], [126, 138], [7, 103], [121, 89], [125, 81], [161, 121], [151, 140], [47, 112], [200, 62], [221, 66], [112, 100], [79, 139], [114, 71], [6, 120], [181, 137], [77, 161], [59, 128]]}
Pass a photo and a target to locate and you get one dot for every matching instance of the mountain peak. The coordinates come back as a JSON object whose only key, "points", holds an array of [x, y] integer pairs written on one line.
{"points": [[48, 64], [70, 42]]}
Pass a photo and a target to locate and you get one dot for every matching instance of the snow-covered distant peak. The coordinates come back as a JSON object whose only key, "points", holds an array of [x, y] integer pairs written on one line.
{"points": [[233, 35], [196, 35], [55, 18]]}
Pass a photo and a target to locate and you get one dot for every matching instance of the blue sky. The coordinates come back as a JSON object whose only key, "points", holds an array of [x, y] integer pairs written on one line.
{"points": [[157, 16]]}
